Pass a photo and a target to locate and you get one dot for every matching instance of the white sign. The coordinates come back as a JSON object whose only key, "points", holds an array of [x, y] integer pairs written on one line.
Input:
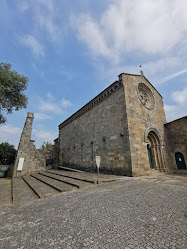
{"points": [[20, 164], [98, 161]]}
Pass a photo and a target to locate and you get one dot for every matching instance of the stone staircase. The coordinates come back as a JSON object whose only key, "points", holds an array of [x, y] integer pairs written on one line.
{"points": [[43, 184]]}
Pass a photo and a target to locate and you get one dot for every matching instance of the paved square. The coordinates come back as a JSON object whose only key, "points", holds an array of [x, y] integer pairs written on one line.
{"points": [[129, 213]]}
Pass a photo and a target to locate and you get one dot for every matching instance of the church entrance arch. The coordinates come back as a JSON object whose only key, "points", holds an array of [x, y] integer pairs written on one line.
{"points": [[154, 151], [179, 158]]}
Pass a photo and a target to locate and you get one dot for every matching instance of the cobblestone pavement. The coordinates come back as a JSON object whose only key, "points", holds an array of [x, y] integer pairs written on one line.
{"points": [[172, 179], [130, 213]]}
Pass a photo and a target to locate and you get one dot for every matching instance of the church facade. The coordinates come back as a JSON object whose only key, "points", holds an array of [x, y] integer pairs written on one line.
{"points": [[126, 126]]}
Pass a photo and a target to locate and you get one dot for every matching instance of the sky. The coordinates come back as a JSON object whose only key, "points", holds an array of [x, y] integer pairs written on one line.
{"points": [[72, 50]]}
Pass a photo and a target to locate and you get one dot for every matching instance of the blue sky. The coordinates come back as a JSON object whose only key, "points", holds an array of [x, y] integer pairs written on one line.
{"points": [[72, 50]]}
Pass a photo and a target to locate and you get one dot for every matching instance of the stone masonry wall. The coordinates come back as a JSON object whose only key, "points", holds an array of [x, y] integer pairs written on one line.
{"points": [[99, 128], [33, 159], [140, 120], [48, 154], [176, 139]]}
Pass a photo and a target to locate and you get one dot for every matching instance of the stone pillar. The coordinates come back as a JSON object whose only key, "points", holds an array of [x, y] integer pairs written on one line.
{"points": [[27, 130], [155, 157], [31, 158]]}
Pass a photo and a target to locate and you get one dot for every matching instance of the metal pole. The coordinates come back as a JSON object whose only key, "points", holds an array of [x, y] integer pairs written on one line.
{"points": [[97, 175]]}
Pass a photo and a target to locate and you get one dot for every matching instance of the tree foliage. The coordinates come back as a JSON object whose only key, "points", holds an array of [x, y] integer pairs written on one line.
{"points": [[12, 86], [7, 153], [46, 145]]}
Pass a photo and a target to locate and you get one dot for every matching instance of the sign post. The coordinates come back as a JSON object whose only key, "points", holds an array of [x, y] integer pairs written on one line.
{"points": [[98, 161]]}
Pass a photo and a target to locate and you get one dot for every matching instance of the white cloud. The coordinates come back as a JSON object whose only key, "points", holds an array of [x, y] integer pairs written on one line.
{"points": [[180, 108], [171, 112], [91, 34], [10, 134], [174, 112], [41, 116], [33, 44], [45, 15], [172, 76], [53, 106], [155, 70], [180, 97], [152, 27], [49, 107], [8, 129], [48, 25], [65, 103], [41, 136]]}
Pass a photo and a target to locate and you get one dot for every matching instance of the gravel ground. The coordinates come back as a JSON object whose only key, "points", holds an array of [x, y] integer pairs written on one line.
{"points": [[130, 213]]}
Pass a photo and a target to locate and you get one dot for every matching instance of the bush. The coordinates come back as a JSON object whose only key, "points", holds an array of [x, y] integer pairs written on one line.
{"points": [[7, 153]]}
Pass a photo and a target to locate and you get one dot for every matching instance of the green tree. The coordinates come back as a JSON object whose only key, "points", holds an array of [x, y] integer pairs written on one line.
{"points": [[7, 153], [12, 86], [46, 145]]}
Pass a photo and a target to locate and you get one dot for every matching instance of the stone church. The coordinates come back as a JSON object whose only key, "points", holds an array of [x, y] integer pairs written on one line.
{"points": [[125, 125]]}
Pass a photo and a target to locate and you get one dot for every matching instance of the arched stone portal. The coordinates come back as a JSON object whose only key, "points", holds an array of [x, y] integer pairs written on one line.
{"points": [[155, 151]]}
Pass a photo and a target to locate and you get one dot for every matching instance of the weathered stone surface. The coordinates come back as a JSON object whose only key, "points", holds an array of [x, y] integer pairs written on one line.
{"points": [[176, 141], [117, 125], [59, 185], [98, 129], [72, 182], [142, 120], [33, 160], [21, 191], [42, 189], [86, 176], [5, 192]]}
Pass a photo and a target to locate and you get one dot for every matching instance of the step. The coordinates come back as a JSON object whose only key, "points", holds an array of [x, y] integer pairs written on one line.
{"points": [[87, 176], [155, 172], [60, 186], [5, 192], [72, 175], [21, 192], [74, 182], [40, 188], [70, 169], [178, 171]]}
